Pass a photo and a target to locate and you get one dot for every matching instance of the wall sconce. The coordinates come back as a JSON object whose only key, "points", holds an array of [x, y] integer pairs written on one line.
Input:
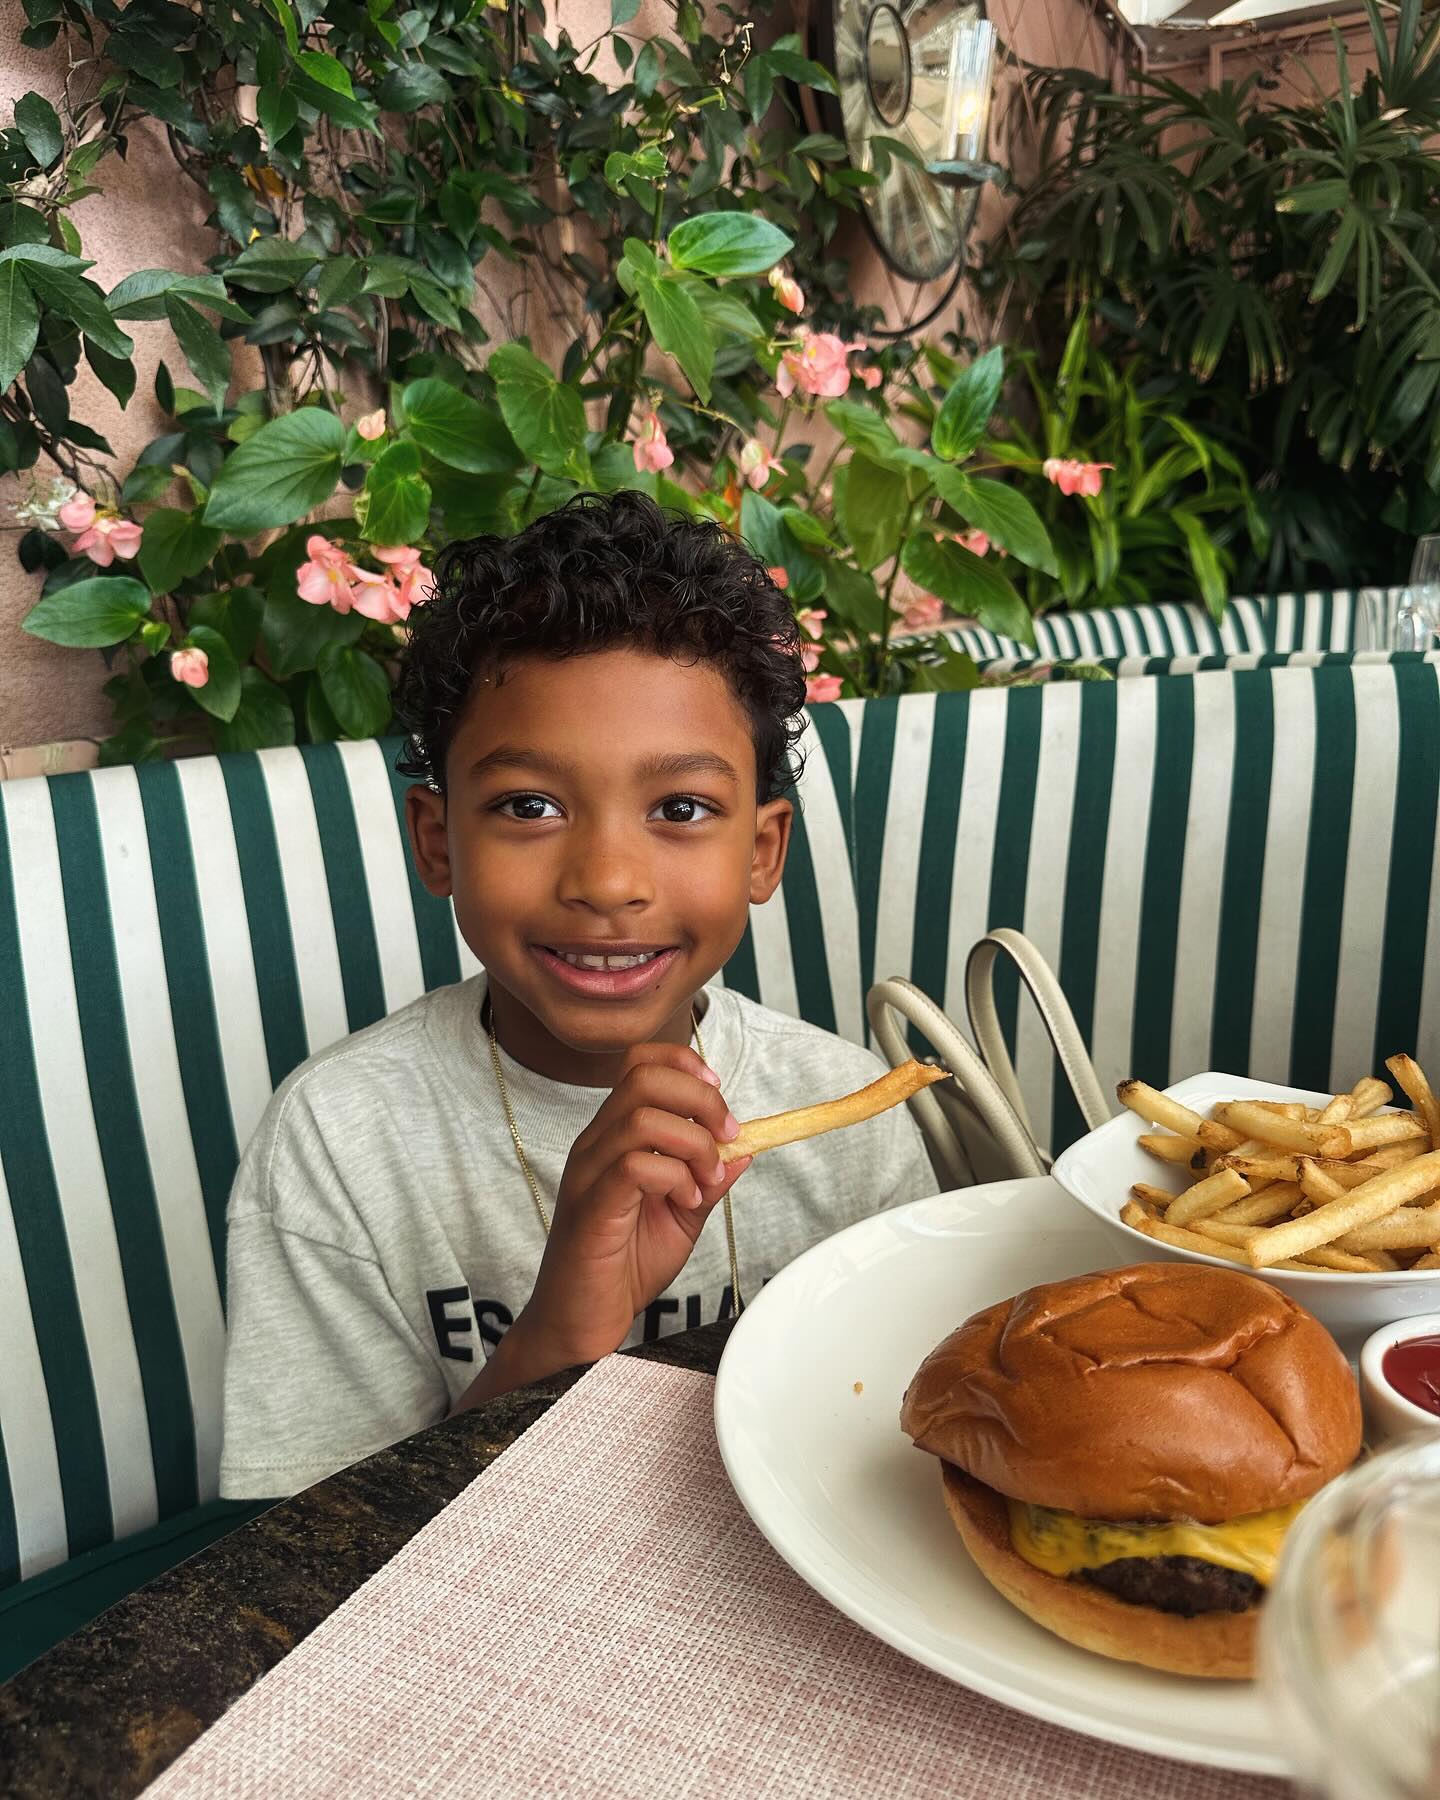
{"points": [[966, 123]]}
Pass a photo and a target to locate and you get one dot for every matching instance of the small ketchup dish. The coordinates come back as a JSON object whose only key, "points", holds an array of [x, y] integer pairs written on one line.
{"points": [[1400, 1378]]}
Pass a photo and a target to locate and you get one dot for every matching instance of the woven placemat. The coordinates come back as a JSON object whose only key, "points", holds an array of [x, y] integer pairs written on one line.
{"points": [[597, 1616]]}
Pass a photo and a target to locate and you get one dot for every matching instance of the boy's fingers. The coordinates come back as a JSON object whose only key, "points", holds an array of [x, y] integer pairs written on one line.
{"points": [[673, 1056], [641, 1172], [672, 1090], [651, 1131]]}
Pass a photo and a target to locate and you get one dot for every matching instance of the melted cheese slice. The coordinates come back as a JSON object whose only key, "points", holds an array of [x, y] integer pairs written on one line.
{"points": [[1062, 1543]]}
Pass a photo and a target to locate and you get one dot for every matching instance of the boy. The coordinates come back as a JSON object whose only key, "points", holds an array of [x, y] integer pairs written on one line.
{"points": [[517, 1173]]}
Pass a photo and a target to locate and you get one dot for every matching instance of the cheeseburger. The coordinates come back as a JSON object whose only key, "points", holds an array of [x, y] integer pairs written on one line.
{"points": [[1124, 1452]]}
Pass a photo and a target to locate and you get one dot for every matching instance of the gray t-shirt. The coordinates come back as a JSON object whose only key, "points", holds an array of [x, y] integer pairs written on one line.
{"points": [[382, 1236]]}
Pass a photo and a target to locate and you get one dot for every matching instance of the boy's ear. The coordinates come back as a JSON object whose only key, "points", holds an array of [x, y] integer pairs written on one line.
{"points": [[772, 841], [429, 840]]}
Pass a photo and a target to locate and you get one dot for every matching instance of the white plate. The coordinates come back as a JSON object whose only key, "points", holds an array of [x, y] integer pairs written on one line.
{"points": [[854, 1508], [1100, 1168]]}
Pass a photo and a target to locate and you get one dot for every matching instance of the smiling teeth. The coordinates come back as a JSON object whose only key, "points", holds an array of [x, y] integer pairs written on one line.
{"points": [[607, 962]]}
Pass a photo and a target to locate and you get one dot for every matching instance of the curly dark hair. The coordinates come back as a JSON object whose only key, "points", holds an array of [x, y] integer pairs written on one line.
{"points": [[603, 571]]}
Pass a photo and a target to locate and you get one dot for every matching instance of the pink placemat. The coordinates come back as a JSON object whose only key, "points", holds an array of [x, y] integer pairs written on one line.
{"points": [[597, 1616]]}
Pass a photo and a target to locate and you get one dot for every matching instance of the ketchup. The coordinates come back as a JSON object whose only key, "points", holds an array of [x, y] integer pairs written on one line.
{"points": [[1413, 1369]]}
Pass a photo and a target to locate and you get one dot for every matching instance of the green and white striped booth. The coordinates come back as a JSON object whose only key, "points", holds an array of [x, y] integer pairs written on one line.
{"points": [[1320, 620], [1231, 869]]}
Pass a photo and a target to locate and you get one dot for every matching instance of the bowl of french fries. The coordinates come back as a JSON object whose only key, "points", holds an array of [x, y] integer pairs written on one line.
{"points": [[1333, 1197]]}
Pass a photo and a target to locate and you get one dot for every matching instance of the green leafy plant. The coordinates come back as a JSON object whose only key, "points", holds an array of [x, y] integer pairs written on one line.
{"points": [[1278, 263]]}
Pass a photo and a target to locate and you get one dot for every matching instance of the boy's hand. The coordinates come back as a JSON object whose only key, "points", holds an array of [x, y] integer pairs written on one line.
{"points": [[639, 1184]]}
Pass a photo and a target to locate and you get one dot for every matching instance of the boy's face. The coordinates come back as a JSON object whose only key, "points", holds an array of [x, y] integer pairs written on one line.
{"points": [[600, 805]]}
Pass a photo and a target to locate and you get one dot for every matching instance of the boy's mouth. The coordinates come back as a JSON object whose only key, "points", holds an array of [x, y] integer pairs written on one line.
{"points": [[614, 970]]}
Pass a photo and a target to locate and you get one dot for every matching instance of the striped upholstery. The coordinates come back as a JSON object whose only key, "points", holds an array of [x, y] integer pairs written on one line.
{"points": [[1225, 868], [1323, 620], [1232, 870], [173, 940]]}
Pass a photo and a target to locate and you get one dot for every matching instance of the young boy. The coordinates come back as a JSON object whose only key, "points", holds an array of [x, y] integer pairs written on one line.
{"points": [[517, 1173]]}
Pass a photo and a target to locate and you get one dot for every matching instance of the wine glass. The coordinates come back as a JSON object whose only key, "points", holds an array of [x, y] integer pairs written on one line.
{"points": [[1411, 619], [1350, 1632]]}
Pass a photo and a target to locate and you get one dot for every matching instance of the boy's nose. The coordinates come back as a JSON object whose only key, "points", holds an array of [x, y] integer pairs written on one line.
{"points": [[604, 877]]}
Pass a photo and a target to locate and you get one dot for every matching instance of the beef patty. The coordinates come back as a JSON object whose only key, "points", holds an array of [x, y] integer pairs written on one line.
{"points": [[1176, 1584]]}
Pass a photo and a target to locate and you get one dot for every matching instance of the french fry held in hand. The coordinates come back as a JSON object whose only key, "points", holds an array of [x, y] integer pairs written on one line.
{"points": [[1338, 1187], [832, 1115]]}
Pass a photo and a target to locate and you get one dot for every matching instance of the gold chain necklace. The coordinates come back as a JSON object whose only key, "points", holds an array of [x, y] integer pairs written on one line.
{"points": [[534, 1185]]}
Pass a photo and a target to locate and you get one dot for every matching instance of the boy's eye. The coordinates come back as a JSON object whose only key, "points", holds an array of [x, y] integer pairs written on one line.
{"points": [[684, 809], [527, 807]]}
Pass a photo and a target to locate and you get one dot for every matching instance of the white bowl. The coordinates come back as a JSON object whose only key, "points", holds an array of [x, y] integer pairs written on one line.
{"points": [[1100, 1169], [1388, 1414]]}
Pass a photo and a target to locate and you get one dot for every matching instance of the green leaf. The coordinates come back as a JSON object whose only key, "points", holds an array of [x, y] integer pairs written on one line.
{"points": [[546, 417], [623, 11], [220, 696], [871, 506], [90, 614], [1205, 561], [728, 243], [235, 614], [409, 86], [288, 467], [643, 165], [176, 544], [966, 409], [862, 428], [327, 70], [272, 264], [1005, 516], [356, 691], [19, 322], [116, 372], [723, 311], [969, 584], [763, 528], [285, 14], [205, 350], [647, 70], [80, 300], [801, 69], [679, 330], [457, 430], [395, 506], [263, 719], [277, 110], [295, 633], [434, 301], [853, 598], [39, 125]]}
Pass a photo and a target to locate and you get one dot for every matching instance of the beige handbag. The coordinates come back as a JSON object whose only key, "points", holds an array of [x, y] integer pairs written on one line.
{"points": [[976, 1127]]}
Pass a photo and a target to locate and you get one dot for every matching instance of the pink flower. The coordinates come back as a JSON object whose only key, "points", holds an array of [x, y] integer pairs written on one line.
{"points": [[372, 426], [652, 452], [110, 536], [975, 542], [811, 619], [781, 577], [922, 612], [787, 291], [872, 376], [1074, 477], [758, 464], [190, 666], [414, 589], [78, 513], [817, 366], [376, 596], [395, 556], [325, 580], [822, 687]]}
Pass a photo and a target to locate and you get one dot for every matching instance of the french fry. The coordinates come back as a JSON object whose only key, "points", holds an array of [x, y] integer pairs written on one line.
{"points": [[1369, 1095], [1317, 1185], [1153, 1197], [831, 1115], [1211, 1195], [1338, 1111], [1389, 1128], [1347, 1264], [1432, 1261], [1250, 1119], [1407, 1228], [1186, 1152], [1159, 1109], [1390, 1156], [1181, 1239], [1285, 1109], [1264, 1208], [1411, 1077], [1285, 1166], [1382, 1194]]}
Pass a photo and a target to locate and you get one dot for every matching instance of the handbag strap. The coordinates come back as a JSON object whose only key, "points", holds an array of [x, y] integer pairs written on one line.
{"points": [[1054, 1010], [897, 997]]}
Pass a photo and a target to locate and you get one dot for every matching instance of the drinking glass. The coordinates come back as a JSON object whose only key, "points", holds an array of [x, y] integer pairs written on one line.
{"points": [[1350, 1632], [1411, 619]]}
